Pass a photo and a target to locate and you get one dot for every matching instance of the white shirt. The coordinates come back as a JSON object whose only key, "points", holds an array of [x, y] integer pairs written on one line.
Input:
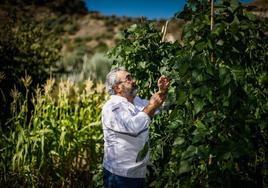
{"points": [[125, 128]]}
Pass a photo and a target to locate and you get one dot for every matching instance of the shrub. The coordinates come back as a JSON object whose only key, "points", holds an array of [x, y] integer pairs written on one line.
{"points": [[28, 48], [94, 68], [214, 131]]}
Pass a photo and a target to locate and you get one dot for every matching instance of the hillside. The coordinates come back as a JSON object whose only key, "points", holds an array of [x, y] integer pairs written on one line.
{"points": [[77, 23], [261, 8], [72, 21], [82, 33], [85, 36]]}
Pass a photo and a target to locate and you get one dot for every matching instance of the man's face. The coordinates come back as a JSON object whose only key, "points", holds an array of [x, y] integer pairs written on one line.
{"points": [[126, 84]]}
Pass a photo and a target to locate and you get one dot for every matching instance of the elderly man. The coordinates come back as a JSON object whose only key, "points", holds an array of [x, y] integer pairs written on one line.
{"points": [[126, 119]]}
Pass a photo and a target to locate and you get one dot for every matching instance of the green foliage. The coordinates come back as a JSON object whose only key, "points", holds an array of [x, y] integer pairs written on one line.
{"points": [[61, 145], [237, 37], [97, 67], [191, 8], [27, 49], [141, 51], [214, 132], [94, 68]]}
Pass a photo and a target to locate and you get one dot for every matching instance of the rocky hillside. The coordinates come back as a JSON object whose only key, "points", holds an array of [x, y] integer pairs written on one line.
{"points": [[83, 33], [260, 8], [76, 24], [73, 22]]}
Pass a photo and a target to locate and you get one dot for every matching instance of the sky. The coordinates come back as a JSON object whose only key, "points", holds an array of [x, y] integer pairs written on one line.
{"points": [[151, 9]]}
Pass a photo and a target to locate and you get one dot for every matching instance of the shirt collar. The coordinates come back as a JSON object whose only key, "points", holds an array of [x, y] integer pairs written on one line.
{"points": [[118, 98], [122, 99]]}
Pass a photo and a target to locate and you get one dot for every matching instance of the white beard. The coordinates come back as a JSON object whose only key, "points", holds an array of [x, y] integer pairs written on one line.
{"points": [[132, 92]]}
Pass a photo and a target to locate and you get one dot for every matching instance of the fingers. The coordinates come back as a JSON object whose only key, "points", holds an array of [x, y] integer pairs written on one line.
{"points": [[163, 80], [157, 99], [161, 95], [163, 83]]}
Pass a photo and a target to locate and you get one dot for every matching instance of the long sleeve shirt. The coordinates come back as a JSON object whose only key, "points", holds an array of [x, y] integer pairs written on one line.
{"points": [[125, 129]]}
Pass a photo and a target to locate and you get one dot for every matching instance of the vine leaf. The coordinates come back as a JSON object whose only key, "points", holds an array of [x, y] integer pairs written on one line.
{"points": [[142, 153]]}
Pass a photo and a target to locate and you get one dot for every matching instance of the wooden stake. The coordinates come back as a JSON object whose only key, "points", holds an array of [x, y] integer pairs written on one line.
{"points": [[211, 14], [164, 30], [211, 25]]}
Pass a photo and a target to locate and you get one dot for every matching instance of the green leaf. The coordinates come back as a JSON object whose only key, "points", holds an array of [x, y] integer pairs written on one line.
{"points": [[210, 96], [190, 152], [182, 97], [200, 46], [163, 70], [143, 64], [210, 46], [201, 91], [184, 167], [178, 141], [224, 74], [182, 67], [235, 50], [198, 105], [220, 42], [142, 153], [219, 28], [200, 132]]}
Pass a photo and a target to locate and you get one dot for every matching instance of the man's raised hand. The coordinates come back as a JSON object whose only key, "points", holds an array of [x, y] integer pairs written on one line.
{"points": [[163, 84]]}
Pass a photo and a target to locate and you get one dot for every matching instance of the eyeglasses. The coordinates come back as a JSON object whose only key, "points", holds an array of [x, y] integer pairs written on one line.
{"points": [[128, 78]]}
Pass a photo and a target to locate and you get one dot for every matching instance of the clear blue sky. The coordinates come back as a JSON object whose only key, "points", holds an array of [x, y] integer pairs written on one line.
{"points": [[152, 9]]}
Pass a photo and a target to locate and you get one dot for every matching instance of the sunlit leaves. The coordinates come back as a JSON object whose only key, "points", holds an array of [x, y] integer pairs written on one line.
{"points": [[144, 55]]}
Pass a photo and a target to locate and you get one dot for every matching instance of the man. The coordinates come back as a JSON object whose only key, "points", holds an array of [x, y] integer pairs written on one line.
{"points": [[126, 119]]}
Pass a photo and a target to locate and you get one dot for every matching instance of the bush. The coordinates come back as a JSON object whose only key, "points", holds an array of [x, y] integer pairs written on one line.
{"points": [[214, 131], [95, 68], [28, 48]]}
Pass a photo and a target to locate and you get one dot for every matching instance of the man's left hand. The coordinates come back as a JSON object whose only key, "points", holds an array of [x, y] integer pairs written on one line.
{"points": [[163, 84]]}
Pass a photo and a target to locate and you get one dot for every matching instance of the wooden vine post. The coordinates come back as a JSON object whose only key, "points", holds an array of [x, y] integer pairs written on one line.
{"points": [[211, 55], [211, 14], [164, 31], [211, 24]]}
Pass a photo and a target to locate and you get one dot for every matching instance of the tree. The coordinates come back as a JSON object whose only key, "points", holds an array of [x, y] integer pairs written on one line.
{"points": [[25, 49]]}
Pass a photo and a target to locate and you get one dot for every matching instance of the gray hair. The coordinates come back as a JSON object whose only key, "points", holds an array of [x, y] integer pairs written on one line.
{"points": [[111, 79]]}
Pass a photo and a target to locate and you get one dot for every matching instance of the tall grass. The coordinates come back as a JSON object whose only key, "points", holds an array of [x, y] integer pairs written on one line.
{"points": [[58, 141]]}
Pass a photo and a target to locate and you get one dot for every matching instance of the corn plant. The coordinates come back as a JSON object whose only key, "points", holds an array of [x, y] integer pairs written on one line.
{"points": [[60, 143]]}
